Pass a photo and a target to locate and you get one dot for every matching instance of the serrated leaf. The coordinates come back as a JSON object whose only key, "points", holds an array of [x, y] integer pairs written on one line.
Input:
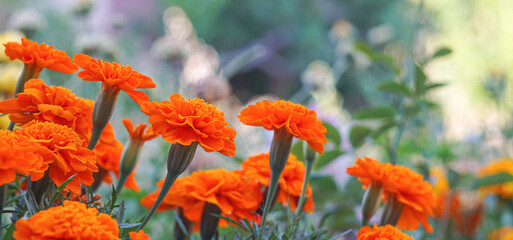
{"points": [[358, 134], [59, 189], [444, 51], [327, 158], [297, 150], [333, 134], [399, 88], [492, 180], [376, 113]]}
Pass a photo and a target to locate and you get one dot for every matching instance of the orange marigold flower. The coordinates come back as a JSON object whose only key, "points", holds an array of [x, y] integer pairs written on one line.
{"points": [[114, 77], [297, 119], [19, 154], [138, 134], [192, 120], [53, 104], [228, 190], [400, 183], [73, 220], [68, 157], [139, 235], [387, 232], [40, 56], [504, 165], [257, 169]]}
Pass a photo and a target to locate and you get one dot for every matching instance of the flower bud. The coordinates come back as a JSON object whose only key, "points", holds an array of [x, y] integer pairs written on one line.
{"points": [[392, 211], [280, 149], [103, 109], [371, 201], [208, 223]]}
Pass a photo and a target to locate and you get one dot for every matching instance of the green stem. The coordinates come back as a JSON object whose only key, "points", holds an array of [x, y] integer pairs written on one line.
{"points": [[302, 198], [273, 185], [3, 199], [121, 183], [168, 182]]}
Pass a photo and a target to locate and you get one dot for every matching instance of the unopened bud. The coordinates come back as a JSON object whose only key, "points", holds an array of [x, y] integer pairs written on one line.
{"points": [[208, 223]]}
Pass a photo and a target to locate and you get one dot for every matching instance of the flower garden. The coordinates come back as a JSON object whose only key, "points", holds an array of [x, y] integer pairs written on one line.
{"points": [[92, 147]]}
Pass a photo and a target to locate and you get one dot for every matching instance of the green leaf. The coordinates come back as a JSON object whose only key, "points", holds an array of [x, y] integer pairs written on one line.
{"points": [[297, 150], [10, 231], [434, 85], [358, 134], [327, 158], [399, 88], [377, 57], [492, 180], [444, 51], [420, 80], [333, 134], [383, 128], [231, 220], [376, 113]]}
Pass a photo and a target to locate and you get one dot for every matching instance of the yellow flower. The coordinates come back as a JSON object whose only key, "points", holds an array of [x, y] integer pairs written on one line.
{"points": [[504, 165], [5, 37], [9, 74]]}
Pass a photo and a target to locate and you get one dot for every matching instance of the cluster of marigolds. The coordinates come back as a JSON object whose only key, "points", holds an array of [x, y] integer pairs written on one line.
{"points": [[56, 136]]}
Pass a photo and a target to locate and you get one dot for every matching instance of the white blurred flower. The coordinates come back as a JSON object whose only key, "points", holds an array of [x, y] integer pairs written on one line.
{"points": [[28, 21]]}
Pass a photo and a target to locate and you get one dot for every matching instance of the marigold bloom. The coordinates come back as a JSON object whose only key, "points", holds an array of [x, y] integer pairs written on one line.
{"points": [[228, 190], [139, 235], [257, 169], [504, 165], [40, 56], [114, 77], [399, 183], [297, 119], [73, 220], [19, 154], [387, 232], [138, 134], [68, 157], [53, 104], [192, 120]]}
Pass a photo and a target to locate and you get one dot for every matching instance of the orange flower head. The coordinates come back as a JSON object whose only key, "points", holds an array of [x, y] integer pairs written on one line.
{"points": [[139, 235], [228, 190], [504, 190], [40, 55], [114, 77], [387, 232], [297, 119], [19, 154], [192, 120], [257, 169], [138, 134], [73, 220], [406, 186], [49, 104], [69, 155]]}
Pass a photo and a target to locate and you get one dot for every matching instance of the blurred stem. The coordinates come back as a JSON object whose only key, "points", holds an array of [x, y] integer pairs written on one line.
{"points": [[302, 198], [273, 185], [168, 182], [3, 199], [243, 59]]}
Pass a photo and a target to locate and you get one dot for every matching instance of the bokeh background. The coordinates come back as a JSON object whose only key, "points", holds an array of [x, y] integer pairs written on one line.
{"points": [[331, 55]]}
